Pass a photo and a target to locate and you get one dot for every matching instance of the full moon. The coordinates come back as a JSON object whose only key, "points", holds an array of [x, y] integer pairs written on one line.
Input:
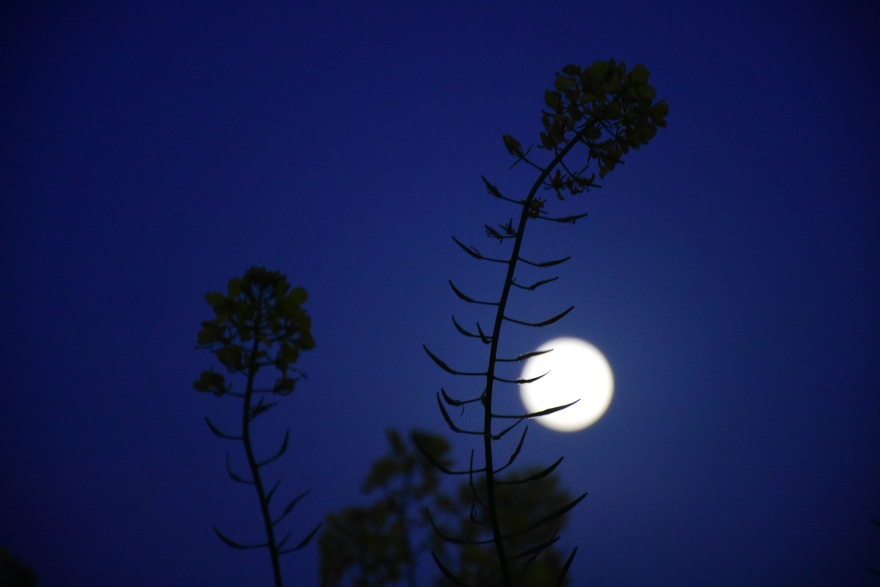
{"points": [[575, 370]]}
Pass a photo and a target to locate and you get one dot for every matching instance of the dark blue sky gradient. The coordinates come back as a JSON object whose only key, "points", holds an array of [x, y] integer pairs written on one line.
{"points": [[729, 271]]}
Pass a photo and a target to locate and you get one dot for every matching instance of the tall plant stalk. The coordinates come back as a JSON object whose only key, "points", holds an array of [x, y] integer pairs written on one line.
{"points": [[599, 112]]}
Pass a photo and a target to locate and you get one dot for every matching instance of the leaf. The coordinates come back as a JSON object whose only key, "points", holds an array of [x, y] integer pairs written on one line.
{"points": [[284, 385], [592, 133], [446, 572], [234, 287], [288, 353], [210, 381], [552, 99], [659, 112], [208, 334], [230, 356], [219, 433], [281, 450], [215, 298], [639, 75], [304, 541], [534, 285], [236, 545], [544, 263], [467, 298], [298, 296], [563, 83], [532, 476], [546, 322], [565, 568], [295, 501], [556, 514], [599, 69], [513, 146], [646, 92], [446, 367]]}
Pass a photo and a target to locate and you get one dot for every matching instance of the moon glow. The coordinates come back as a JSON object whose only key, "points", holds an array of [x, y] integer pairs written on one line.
{"points": [[576, 370]]}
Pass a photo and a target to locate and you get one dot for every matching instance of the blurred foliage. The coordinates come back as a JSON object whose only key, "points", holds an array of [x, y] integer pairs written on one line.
{"points": [[520, 506], [380, 544], [14, 572]]}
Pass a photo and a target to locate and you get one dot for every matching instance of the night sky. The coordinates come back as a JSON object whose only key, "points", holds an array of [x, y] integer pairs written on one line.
{"points": [[729, 271]]}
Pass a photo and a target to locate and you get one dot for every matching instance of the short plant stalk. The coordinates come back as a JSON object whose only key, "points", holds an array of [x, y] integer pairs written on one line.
{"points": [[260, 311], [252, 461]]}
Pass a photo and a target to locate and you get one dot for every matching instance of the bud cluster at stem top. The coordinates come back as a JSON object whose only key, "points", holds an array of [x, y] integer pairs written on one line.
{"points": [[259, 322]]}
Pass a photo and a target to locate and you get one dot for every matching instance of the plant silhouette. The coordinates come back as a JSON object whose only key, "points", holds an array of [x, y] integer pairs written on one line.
{"points": [[594, 114], [258, 324], [379, 544]]}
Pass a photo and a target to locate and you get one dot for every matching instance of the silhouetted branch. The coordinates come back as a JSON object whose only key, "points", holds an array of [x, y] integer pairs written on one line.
{"points": [[473, 252], [217, 431], [233, 475], [534, 285], [534, 551], [452, 424], [564, 219], [544, 263], [469, 299], [447, 368], [524, 356], [446, 572], [565, 568], [453, 539], [516, 451], [302, 543], [547, 322], [504, 432], [480, 334], [534, 477], [493, 190], [290, 506], [455, 402], [550, 517], [272, 491], [280, 452], [520, 381], [236, 545], [546, 412]]}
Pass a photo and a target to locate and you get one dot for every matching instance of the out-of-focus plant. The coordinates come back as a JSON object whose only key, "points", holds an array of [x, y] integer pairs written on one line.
{"points": [[258, 325], [379, 544], [14, 572], [528, 511], [594, 115]]}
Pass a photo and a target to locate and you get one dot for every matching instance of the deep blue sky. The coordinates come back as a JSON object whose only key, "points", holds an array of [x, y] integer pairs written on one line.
{"points": [[729, 271]]}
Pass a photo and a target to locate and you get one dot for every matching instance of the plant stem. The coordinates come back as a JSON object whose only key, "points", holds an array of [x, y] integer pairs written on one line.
{"points": [[493, 355], [402, 507], [253, 367]]}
